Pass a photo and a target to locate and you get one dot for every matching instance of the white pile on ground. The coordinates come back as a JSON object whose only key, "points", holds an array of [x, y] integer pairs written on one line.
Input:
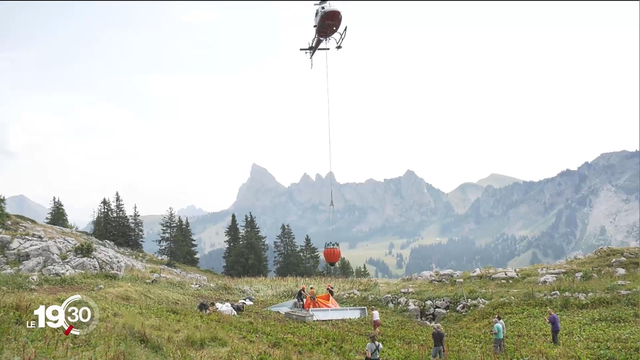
{"points": [[225, 309], [246, 302]]}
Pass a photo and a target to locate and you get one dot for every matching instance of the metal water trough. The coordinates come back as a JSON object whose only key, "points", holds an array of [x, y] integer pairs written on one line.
{"points": [[339, 313], [299, 315]]}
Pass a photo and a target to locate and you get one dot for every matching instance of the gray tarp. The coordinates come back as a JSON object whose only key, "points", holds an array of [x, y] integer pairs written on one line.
{"points": [[283, 307]]}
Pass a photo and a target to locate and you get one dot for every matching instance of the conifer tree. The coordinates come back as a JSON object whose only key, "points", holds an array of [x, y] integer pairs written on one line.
{"points": [[253, 249], [57, 215], [167, 241], [188, 253], [136, 225], [310, 258], [232, 260], [4, 216], [121, 227], [365, 272], [344, 268], [103, 222], [288, 259], [358, 272]]}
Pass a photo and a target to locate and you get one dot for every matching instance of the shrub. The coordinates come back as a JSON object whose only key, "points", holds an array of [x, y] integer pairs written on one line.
{"points": [[84, 249]]}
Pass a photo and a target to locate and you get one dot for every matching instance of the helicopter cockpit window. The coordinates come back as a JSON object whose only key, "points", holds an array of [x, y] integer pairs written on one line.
{"points": [[317, 12]]}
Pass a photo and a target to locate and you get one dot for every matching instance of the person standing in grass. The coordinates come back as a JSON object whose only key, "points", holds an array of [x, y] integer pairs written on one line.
{"points": [[504, 330], [497, 337], [375, 317], [555, 325], [372, 351], [438, 342], [330, 289], [300, 297]]}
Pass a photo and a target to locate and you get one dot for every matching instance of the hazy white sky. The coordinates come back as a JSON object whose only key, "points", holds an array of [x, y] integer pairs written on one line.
{"points": [[171, 103]]}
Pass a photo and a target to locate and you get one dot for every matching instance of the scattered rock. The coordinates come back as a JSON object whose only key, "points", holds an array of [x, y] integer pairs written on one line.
{"points": [[620, 272], [555, 294], [407, 291], [623, 283], [99, 287], [34, 278], [547, 279], [579, 275], [618, 262], [439, 315], [458, 281], [475, 273], [624, 292]]}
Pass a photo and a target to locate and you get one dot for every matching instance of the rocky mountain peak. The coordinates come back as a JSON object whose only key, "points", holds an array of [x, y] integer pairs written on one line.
{"points": [[190, 211], [305, 179], [262, 175], [261, 187]]}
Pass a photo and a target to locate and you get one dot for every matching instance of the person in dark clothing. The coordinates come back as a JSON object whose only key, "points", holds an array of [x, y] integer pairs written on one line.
{"points": [[330, 289], [300, 297], [438, 342], [554, 321]]}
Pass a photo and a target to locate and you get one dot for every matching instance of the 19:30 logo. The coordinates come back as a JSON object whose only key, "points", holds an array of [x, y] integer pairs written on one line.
{"points": [[83, 316]]}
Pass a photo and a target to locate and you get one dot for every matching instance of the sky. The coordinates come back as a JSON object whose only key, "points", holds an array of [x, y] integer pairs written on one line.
{"points": [[170, 103]]}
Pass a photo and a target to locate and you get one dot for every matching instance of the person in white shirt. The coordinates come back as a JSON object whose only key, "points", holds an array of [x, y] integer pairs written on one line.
{"points": [[375, 316]]}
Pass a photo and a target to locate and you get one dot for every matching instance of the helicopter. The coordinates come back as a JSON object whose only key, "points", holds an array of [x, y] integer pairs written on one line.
{"points": [[327, 22]]}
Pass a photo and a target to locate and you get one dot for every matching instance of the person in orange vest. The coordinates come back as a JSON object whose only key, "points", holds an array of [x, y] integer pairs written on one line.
{"points": [[330, 289], [312, 293]]}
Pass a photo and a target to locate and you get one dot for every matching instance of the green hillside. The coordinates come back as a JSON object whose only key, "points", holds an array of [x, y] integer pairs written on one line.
{"points": [[144, 320]]}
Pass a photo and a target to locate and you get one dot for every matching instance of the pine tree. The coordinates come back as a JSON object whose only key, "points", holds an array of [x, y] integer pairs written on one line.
{"points": [[253, 249], [399, 260], [231, 257], [167, 242], [121, 226], [310, 258], [358, 272], [4, 216], [365, 272], [103, 222], [344, 268], [287, 260], [136, 226], [57, 215], [179, 241], [188, 253], [535, 259]]}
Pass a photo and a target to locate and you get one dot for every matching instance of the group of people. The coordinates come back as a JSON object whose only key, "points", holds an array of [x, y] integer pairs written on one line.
{"points": [[372, 350], [302, 293]]}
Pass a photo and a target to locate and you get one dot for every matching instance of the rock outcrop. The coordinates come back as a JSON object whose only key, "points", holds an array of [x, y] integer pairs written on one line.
{"points": [[46, 250]]}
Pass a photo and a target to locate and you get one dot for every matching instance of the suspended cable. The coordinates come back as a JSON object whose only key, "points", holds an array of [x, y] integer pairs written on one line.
{"points": [[329, 124]]}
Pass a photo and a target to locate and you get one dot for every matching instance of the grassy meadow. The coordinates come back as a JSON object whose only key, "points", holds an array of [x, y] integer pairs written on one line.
{"points": [[140, 320]]}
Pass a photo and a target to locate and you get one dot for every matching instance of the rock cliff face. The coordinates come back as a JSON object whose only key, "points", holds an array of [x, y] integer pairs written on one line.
{"points": [[49, 250], [400, 206], [595, 205]]}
